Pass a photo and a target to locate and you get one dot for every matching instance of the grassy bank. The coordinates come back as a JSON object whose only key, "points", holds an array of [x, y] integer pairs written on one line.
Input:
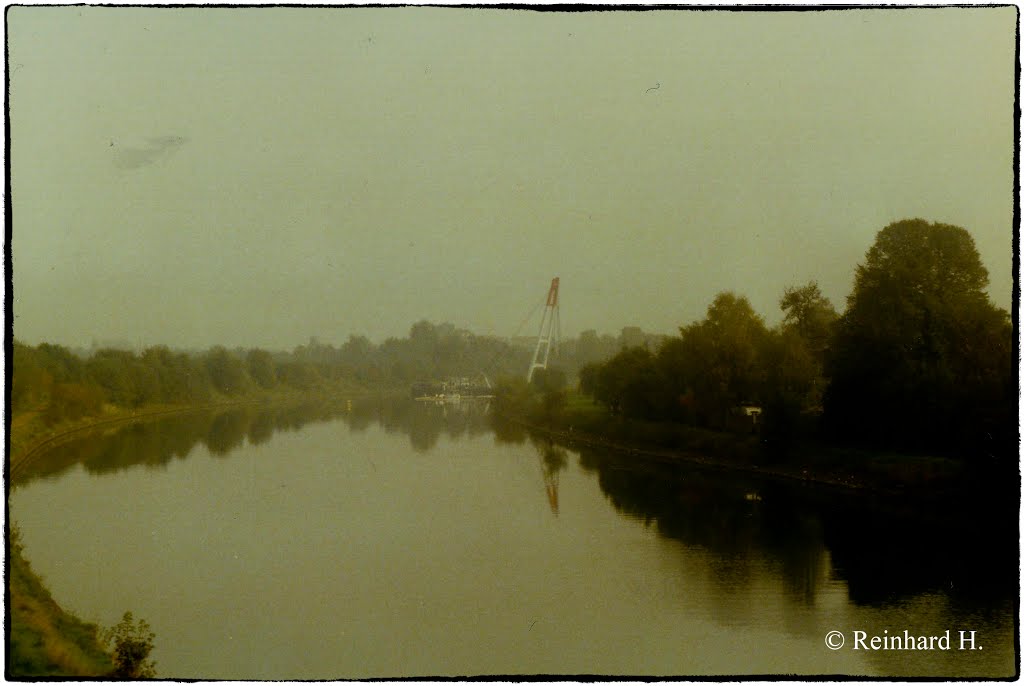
{"points": [[44, 640]]}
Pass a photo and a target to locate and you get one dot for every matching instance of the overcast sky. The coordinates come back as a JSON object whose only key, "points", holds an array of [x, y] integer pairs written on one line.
{"points": [[259, 176]]}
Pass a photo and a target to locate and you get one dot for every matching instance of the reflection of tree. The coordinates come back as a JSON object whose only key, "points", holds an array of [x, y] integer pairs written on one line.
{"points": [[507, 431], [424, 427], [886, 556], [223, 431], [261, 429], [737, 520], [228, 431], [425, 422]]}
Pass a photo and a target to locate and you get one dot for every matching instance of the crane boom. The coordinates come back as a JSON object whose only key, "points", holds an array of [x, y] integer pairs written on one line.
{"points": [[550, 329]]}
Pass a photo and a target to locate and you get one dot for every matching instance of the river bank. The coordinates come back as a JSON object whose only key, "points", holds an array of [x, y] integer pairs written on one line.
{"points": [[915, 480], [45, 640]]}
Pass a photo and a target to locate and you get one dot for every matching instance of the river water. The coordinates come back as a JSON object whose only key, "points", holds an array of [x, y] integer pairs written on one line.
{"points": [[389, 539]]}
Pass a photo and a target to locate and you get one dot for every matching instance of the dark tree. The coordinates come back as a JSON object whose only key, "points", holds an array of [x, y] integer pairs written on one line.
{"points": [[788, 397], [722, 358], [629, 383], [810, 314], [921, 359]]}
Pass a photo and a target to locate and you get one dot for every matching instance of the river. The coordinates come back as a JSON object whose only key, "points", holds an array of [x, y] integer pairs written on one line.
{"points": [[386, 538]]}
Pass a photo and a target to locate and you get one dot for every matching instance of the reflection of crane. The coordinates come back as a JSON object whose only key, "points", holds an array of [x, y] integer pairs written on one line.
{"points": [[552, 461], [550, 330], [551, 486]]}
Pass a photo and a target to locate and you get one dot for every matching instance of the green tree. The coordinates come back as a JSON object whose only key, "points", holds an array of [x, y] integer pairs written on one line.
{"points": [[61, 363], [30, 381], [131, 643], [111, 370], [791, 374], [810, 314], [512, 396], [549, 379], [722, 361], [260, 365], [921, 358], [676, 371], [629, 384], [550, 384], [301, 375], [588, 378], [227, 372], [72, 401]]}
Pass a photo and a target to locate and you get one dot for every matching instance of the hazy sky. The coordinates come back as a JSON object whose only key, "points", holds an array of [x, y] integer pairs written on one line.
{"points": [[257, 176]]}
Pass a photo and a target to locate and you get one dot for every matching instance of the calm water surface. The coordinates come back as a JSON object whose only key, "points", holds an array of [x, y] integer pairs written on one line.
{"points": [[393, 539]]}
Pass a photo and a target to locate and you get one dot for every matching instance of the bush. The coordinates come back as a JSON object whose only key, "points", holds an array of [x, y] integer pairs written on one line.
{"points": [[73, 401], [132, 643]]}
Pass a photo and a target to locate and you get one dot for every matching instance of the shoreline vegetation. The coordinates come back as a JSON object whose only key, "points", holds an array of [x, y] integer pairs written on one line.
{"points": [[910, 392], [869, 473], [44, 639], [908, 396]]}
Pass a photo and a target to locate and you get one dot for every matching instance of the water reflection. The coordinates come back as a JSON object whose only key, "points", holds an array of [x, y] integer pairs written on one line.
{"points": [[883, 555], [745, 551], [953, 569], [553, 459], [223, 431]]}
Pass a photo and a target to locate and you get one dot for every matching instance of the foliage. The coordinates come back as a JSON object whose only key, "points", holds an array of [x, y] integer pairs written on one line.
{"points": [[809, 323], [32, 382], [547, 380], [131, 643], [227, 371], [629, 384], [792, 375], [921, 359], [513, 396], [73, 401], [260, 365], [721, 358], [65, 384], [810, 314]]}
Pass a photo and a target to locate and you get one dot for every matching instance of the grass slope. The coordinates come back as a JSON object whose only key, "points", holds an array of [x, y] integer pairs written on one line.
{"points": [[45, 640]]}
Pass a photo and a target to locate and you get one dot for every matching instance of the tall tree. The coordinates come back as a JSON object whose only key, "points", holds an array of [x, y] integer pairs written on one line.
{"points": [[227, 371], [260, 364], [722, 356], [810, 314], [921, 357], [809, 321], [629, 383]]}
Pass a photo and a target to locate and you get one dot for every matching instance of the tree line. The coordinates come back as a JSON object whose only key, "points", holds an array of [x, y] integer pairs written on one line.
{"points": [[61, 384], [920, 360], [66, 384]]}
